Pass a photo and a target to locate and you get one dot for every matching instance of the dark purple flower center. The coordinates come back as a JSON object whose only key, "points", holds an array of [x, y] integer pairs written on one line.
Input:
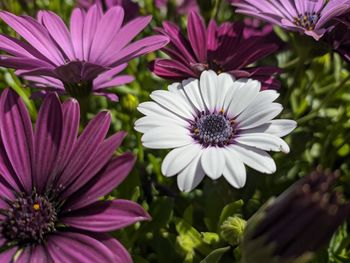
{"points": [[213, 129], [307, 20], [213, 65], [29, 219]]}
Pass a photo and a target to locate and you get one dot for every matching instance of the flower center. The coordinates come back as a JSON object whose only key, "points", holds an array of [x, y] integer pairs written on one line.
{"points": [[28, 219], [213, 65], [307, 20], [213, 129]]}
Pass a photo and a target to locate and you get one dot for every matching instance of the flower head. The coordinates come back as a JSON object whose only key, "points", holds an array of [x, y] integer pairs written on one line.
{"points": [[131, 8], [85, 59], [311, 17], [216, 125], [51, 182], [231, 47], [299, 221]]}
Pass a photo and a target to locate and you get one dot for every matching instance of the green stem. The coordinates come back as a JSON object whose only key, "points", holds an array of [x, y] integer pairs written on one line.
{"points": [[216, 8]]}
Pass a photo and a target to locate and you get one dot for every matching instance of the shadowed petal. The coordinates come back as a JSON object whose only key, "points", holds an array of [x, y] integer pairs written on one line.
{"points": [[76, 247], [17, 136], [47, 138], [105, 216], [104, 182], [86, 145]]}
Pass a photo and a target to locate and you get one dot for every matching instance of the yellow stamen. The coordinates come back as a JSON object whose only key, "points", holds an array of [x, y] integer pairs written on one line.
{"points": [[36, 207]]}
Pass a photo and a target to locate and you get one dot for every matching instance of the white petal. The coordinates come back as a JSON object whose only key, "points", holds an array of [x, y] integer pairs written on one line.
{"points": [[224, 87], [175, 87], [234, 171], [166, 137], [263, 141], [173, 102], [149, 122], [255, 158], [260, 117], [213, 162], [278, 128], [209, 88], [193, 93], [191, 176], [243, 97], [151, 108], [179, 158]]}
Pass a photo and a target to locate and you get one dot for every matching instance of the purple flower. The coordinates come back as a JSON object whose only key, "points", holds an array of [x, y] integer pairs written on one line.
{"points": [[51, 181], [311, 17], [339, 37], [84, 59], [183, 7], [301, 220], [231, 47], [131, 8]]}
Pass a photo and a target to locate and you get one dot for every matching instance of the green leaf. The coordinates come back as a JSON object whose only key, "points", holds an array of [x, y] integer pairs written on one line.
{"points": [[230, 210], [216, 255]]}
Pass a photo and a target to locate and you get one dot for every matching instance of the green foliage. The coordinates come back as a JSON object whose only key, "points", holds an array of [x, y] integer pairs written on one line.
{"points": [[186, 226]]}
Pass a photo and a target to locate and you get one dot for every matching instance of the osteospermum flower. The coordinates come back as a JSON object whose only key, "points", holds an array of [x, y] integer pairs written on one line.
{"points": [[301, 220], [84, 59], [131, 8], [51, 182], [231, 47], [311, 17], [216, 125]]}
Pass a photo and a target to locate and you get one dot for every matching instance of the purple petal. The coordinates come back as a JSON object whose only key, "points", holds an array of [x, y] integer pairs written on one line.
{"points": [[119, 251], [99, 159], [59, 32], [108, 179], [124, 36], [171, 69], [109, 96], [197, 36], [76, 247], [139, 48], [71, 117], [35, 34], [76, 28], [106, 30], [105, 216], [116, 81], [92, 20], [47, 138], [7, 255], [86, 146], [17, 136]]}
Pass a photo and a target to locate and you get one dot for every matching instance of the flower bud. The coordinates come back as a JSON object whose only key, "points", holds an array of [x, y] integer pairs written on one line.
{"points": [[232, 230]]}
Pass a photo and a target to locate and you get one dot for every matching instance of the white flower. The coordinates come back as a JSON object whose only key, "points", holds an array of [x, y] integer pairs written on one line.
{"points": [[215, 125]]}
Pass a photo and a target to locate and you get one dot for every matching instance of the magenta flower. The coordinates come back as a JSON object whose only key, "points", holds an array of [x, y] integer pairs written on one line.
{"points": [[311, 17], [231, 47], [85, 59], [131, 8], [51, 182], [339, 37]]}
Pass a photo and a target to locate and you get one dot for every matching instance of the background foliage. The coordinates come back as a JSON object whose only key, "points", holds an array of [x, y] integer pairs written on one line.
{"points": [[186, 226]]}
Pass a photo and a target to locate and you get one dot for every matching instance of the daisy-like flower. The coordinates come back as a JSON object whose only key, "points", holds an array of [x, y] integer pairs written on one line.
{"points": [[85, 59], [311, 17], [230, 47], [51, 182], [131, 8], [216, 125], [316, 211]]}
